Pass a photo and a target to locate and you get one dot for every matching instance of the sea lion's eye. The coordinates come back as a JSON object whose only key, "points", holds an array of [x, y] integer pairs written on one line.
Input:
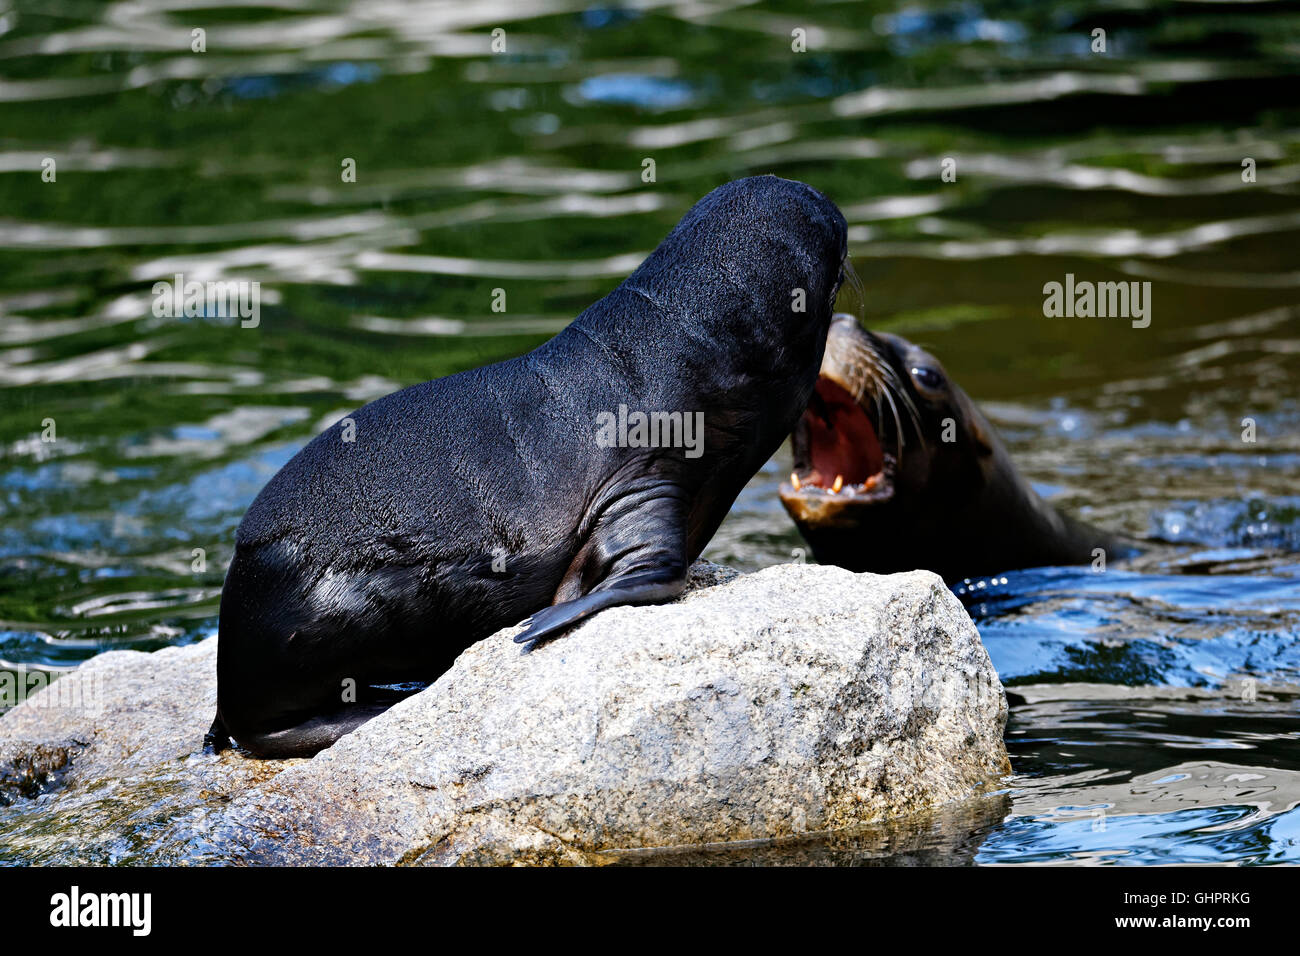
{"points": [[928, 378]]}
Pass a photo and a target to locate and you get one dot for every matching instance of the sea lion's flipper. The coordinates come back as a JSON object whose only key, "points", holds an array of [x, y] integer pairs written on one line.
{"points": [[635, 555], [310, 736], [217, 738], [647, 587]]}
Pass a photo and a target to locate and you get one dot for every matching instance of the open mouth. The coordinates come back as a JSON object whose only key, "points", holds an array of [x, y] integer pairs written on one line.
{"points": [[838, 456]]}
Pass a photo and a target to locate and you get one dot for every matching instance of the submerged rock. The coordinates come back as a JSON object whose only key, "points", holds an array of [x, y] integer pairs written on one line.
{"points": [[767, 705]]}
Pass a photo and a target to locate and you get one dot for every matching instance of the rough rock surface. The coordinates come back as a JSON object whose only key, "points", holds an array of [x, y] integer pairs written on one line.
{"points": [[796, 699]]}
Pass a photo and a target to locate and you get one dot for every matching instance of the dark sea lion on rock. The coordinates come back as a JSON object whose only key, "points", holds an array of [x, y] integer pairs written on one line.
{"points": [[876, 487], [468, 503]]}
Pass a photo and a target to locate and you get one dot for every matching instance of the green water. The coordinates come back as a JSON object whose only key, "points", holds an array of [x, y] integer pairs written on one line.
{"points": [[523, 171]]}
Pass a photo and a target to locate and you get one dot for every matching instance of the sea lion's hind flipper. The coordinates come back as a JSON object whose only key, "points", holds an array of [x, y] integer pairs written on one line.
{"points": [[217, 738], [312, 735], [642, 587]]}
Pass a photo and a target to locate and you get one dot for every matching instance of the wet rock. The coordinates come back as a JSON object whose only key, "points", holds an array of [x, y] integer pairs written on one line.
{"points": [[106, 764], [761, 706]]}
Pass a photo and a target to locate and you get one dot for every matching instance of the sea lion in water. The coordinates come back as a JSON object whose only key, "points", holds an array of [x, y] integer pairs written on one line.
{"points": [[876, 487], [468, 503]]}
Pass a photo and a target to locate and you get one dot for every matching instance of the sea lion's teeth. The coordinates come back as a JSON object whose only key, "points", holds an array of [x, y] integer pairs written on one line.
{"points": [[794, 480], [839, 483]]}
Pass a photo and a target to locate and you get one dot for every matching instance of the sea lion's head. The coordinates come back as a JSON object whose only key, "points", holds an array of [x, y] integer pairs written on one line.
{"points": [[754, 266], [887, 440], [728, 316]]}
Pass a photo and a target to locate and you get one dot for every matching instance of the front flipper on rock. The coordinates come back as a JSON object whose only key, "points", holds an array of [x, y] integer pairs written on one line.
{"points": [[636, 555], [647, 588]]}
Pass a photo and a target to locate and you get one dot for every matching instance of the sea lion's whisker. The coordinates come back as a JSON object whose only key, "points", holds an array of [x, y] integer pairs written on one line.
{"points": [[898, 425], [856, 283], [912, 410], [894, 385], [865, 373]]}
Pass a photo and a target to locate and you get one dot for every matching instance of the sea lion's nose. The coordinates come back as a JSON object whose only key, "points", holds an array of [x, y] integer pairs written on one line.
{"points": [[844, 318]]}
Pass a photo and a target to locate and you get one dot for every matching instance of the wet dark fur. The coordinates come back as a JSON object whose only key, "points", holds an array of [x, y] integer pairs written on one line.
{"points": [[372, 561]]}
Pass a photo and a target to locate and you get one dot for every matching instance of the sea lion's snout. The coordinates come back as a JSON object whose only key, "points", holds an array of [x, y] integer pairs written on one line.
{"points": [[845, 456]]}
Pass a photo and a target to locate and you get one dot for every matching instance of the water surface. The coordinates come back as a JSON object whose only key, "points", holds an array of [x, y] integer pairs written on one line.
{"points": [[1154, 713]]}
